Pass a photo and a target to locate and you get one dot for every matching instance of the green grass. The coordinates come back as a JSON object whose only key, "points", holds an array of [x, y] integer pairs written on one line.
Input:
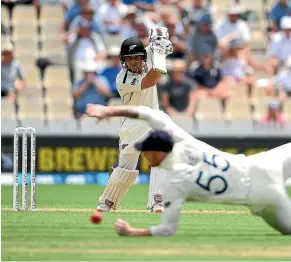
{"points": [[68, 235]]}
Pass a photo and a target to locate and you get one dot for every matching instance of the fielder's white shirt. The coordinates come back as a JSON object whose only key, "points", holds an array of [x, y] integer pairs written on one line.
{"points": [[197, 171], [129, 88]]}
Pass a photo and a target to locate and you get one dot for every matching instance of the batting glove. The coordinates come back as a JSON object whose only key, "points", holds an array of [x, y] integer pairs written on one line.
{"points": [[162, 46], [158, 33]]}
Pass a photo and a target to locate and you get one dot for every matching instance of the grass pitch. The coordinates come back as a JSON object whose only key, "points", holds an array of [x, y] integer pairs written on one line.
{"points": [[61, 230]]}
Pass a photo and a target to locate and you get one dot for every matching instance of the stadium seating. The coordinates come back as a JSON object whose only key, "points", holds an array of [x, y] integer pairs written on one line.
{"points": [[209, 109], [57, 87], [287, 109], [238, 109], [31, 108], [4, 15], [7, 109]]}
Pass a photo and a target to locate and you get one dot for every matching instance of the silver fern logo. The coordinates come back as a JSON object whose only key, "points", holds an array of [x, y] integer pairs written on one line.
{"points": [[132, 47]]}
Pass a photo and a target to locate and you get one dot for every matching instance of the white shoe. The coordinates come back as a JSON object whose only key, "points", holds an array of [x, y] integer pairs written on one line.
{"points": [[157, 208], [103, 208]]}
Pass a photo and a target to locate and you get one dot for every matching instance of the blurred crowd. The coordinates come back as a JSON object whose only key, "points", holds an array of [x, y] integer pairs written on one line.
{"points": [[211, 56]]}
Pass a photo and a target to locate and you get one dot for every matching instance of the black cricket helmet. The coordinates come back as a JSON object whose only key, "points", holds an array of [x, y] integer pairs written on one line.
{"points": [[132, 47]]}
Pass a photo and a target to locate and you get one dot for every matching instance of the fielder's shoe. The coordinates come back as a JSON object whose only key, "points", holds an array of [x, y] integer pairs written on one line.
{"points": [[103, 208], [157, 208]]}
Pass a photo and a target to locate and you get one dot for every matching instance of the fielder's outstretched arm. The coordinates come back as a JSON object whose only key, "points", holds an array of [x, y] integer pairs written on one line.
{"points": [[152, 117], [170, 220]]}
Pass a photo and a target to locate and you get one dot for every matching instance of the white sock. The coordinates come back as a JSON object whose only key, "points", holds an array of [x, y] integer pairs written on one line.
{"points": [[157, 180]]}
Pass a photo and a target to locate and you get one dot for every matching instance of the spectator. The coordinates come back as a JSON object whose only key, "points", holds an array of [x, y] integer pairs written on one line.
{"points": [[178, 39], [67, 4], [232, 27], [142, 5], [202, 38], [143, 33], [87, 15], [73, 12], [280, 46], [84, 45], [176, 93], [12, 77], [236, 65], [273, 116], [92, 88], [280, 9], [190, 16], [209, 81], [132, 21], [111, 14], [111, 71], [281, 83], [167, 17], [130, 24]]}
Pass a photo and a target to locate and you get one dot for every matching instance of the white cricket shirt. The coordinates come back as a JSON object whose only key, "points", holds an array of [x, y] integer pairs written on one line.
{"points": [[129, 87], [197, 171]]}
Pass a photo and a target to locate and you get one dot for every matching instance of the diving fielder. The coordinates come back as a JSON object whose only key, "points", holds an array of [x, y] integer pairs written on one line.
{"points": [[142, 68], [200, 172]]}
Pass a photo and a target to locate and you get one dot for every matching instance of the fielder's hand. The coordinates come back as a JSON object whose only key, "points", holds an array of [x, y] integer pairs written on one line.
{"points": [[122, 228], [98, 111]]}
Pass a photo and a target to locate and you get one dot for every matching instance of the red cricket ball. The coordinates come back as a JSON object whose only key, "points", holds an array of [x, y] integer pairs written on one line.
{"points": [[96, 218]]}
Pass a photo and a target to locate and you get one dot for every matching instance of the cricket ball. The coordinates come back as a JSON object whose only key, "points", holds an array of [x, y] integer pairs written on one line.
{"points": [[96, 217]]}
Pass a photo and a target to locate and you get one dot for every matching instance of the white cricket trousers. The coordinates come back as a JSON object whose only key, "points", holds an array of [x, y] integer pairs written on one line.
{"points": [[269, 199]]}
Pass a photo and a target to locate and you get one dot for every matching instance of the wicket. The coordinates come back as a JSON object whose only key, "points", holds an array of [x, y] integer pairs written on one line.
{"points": [[24, 131]]}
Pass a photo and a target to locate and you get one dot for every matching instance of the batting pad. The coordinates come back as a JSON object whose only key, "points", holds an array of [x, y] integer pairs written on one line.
{"points": [[118, 184], [158, 178]]}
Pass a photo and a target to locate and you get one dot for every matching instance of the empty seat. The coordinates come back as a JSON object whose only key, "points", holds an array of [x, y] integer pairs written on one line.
{"points": [[181, 116], [24, 14], [7, 109], [259, 93], [25, 59], [287, 109], [26, 46], [57, 76], [5, 16], [238, 109], [24, 31], [31, 109], [51, 14], [52, 46], [238, 92], [30, 93], [60, 110], [50, 30], [209, 109], [32, 76]]}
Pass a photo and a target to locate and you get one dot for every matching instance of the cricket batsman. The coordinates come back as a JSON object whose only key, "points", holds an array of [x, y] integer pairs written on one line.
{"points": [[142, 69], [203, 173]]}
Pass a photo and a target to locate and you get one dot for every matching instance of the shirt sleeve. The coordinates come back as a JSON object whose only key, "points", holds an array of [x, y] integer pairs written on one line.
{"points": [[173, 202]]}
